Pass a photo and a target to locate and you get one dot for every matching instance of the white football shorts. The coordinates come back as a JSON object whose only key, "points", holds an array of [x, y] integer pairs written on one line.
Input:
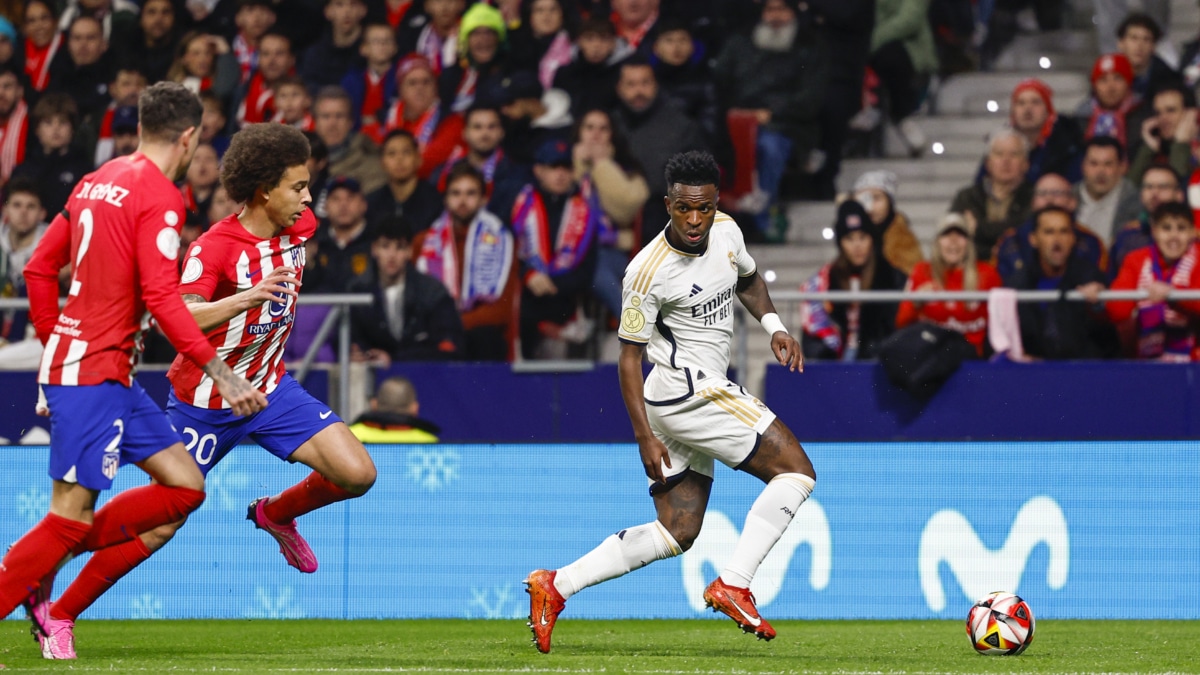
{"points": [[719, 421]]}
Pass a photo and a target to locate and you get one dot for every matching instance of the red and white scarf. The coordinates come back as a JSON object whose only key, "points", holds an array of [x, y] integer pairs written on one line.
{"points": [[634, 36], [12, 139], [421, 128], [578, 229], [104, 140], [247, 56], [37, 61], [557, 56], [305, 123], [1164, 333], [1105, 122], [396, 14], [464, 96], [259, 104], [197, 84], [488, 169], [441, 51]]}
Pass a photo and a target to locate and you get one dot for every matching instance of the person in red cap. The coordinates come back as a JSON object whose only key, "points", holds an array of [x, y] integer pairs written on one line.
{"points": [[1055, 140], [419, 111], [1106, 113]]}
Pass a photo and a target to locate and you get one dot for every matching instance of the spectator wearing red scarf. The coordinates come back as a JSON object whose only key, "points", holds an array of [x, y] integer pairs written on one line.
{"points": [[420, 112], [1165, 329], [1107, 112], [255, 100], [42, 41]]}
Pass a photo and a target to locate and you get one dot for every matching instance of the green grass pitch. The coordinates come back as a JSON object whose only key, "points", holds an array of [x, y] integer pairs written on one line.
{"points": [[643, 646]]}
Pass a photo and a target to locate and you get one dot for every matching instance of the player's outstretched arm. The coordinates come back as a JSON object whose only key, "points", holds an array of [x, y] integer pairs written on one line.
{"points": [[41, 275], [242, 398], [752, 291], [629, 371], [274, 287]]}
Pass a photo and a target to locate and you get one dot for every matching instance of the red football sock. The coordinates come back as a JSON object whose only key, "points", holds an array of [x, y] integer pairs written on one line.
{"points": [[309, 494], [34, 556], [138, 510], [105, 568]]}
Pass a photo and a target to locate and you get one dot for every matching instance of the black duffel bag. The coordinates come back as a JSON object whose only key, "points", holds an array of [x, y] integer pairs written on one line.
{"points": [[920, 357]]}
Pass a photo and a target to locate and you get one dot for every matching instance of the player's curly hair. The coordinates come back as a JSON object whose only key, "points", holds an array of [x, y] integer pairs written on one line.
{"points": [[259, 155], [695, 167]]}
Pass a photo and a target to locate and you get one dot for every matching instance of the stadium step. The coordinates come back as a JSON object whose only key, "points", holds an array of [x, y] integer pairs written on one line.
{"points": [[981, 93], [1064, 50]]}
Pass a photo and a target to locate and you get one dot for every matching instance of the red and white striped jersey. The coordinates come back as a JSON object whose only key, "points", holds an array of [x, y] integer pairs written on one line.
{"points": [[120, 231], [227, 260]]}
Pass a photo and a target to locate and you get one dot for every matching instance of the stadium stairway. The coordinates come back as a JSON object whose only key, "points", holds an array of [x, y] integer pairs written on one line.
{"points": [[959, 114], [957, 117]]}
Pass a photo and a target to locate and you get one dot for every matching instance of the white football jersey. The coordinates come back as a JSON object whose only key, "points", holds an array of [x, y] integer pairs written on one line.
{"points": [[680, 304]]}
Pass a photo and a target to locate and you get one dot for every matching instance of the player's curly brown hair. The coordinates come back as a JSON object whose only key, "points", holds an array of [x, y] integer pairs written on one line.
{"points": [[259, 155]]}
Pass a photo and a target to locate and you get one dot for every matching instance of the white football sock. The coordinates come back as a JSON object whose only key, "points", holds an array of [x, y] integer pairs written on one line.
{"points": [[617, 555], [765, 524]]}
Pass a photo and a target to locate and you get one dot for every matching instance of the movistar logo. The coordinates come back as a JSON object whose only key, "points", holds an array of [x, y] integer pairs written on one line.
{"points": [[719, 535], [949, 538]]}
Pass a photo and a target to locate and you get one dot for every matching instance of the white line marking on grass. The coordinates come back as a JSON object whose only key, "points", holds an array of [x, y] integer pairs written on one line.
{"points": [[109, 668]]}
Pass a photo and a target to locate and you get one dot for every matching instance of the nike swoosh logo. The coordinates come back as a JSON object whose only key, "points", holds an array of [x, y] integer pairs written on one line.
{"points": [[544, 621], [749, 619], [326, 414]]}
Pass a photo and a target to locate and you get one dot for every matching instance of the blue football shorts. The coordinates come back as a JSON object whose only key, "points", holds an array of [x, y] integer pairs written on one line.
{"points": [[94, 429], [292, 416]]}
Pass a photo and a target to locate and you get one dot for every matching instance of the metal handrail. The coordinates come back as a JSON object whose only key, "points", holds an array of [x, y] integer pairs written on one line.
{"points": [[793, 298], [341, 303], [964, 296], [340, 314], [362, 299]]}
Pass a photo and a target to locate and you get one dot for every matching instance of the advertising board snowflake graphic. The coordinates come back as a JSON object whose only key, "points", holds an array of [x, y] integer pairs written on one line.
{"points": [[274, 606], [497, 602], [432, 468], [146, 606], [33, 503]]}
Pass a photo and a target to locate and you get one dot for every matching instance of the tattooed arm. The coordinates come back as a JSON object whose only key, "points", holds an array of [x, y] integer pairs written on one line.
{"points": [[243, 398], [210, 314]]}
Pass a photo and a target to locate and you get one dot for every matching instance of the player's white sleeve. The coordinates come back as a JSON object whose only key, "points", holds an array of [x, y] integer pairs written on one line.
{"points": [[639, 302], [741, 257]]}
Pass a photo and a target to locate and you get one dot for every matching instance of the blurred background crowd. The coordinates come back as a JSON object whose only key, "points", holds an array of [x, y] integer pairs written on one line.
{"points": [[485, 170]]}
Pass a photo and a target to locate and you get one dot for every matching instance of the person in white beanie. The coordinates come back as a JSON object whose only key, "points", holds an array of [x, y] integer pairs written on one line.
{"points": [[894, 239]]}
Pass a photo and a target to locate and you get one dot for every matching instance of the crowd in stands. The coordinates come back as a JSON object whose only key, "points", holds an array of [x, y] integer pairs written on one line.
{"points": [[485, 170], [1091, 200]]}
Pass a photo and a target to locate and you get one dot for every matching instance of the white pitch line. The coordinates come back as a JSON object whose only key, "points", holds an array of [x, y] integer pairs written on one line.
{"points": [[111, 668]]}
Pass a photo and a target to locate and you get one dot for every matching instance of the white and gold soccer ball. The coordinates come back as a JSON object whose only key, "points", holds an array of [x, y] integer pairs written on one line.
{"points": [[1000, 624]]}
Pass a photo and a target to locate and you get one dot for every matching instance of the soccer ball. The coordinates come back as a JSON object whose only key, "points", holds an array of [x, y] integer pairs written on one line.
{"points": [[1001, 623]]}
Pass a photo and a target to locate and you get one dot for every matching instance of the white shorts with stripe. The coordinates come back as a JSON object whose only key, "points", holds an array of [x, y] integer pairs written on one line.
{"points": [[719, 421]]}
